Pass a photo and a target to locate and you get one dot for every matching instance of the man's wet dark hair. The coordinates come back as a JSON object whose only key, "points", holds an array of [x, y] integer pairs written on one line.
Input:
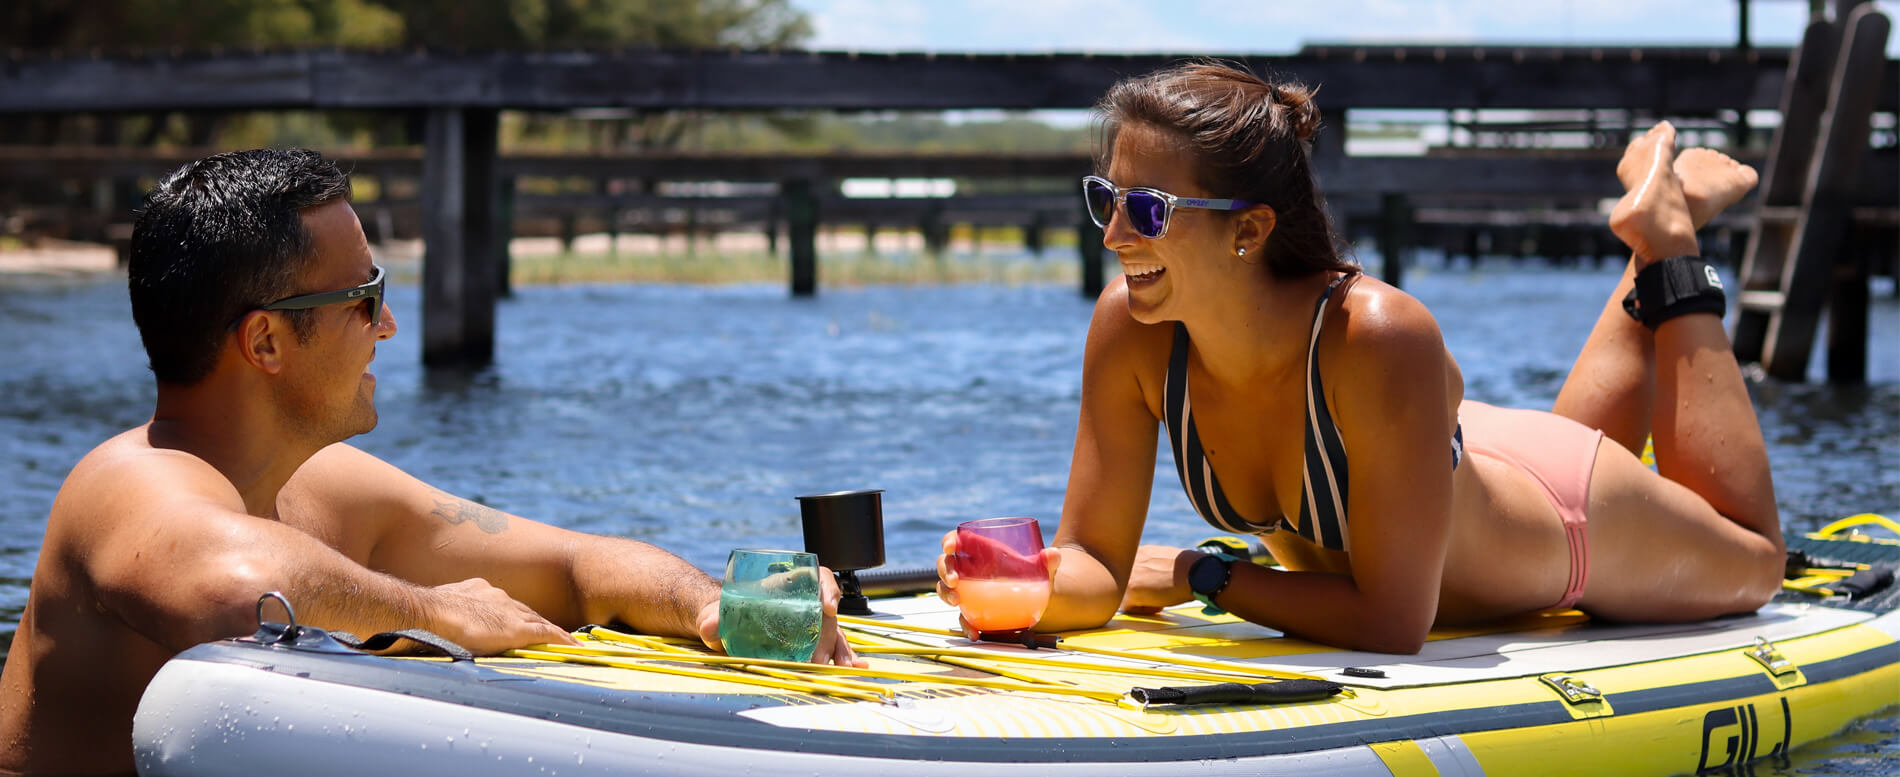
{"points": [[218, 238]]}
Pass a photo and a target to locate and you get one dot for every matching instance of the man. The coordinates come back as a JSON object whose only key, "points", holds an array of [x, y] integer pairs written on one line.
{"points": [[253, 290]]}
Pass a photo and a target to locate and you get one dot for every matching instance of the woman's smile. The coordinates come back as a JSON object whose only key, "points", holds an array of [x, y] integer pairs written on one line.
{"points": [[1142, 272]]}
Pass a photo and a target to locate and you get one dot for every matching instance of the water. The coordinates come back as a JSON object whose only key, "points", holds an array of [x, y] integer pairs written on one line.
{"points": [[692, 416], [782, 626]]}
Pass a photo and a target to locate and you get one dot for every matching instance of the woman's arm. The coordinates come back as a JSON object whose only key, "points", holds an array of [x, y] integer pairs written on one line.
{"points": [[1112, 471], [1386, 382]]}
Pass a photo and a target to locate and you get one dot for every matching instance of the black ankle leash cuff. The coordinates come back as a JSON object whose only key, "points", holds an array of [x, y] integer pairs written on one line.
{"points": [[1675, 287]]}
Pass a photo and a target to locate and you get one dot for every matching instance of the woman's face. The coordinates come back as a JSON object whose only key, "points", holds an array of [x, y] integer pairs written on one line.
{"points": [[1196, 260]]}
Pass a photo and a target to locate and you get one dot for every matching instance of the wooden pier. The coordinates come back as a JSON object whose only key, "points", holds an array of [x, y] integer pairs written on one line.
{"points": [[465, 184]]}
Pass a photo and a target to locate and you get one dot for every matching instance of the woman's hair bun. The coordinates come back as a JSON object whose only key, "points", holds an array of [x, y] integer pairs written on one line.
{"points": [[1302, 112]]}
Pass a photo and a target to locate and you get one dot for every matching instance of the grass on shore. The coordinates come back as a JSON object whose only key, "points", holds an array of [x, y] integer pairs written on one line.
{"points": [[845, 268]]}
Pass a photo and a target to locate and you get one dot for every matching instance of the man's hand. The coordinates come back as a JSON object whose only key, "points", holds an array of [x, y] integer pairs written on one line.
{"points": [[1159, 579], [486, 620], [832, 648]]}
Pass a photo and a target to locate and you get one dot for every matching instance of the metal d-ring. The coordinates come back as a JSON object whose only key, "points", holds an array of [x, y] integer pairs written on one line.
{"points": [[291, 631]]}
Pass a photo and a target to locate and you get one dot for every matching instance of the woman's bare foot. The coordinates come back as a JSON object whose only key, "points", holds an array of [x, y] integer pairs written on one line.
{"points": [[1653, 219], [1640, 162], [1711, 181]]}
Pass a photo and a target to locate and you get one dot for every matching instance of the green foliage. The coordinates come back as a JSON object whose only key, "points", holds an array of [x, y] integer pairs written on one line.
{"points": [[116, 25], [456, 24], [792, 133]]}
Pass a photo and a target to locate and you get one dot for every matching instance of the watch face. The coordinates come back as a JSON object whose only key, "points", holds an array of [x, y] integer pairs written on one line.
{"points": [[1208, 574]]}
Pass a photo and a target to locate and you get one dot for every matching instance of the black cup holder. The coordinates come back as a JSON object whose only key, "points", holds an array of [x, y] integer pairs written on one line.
{"points": [[846, 530]]}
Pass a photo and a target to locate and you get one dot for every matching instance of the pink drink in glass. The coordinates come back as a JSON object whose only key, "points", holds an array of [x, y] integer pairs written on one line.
{"points": [[1002, 584], [1002, 605]]}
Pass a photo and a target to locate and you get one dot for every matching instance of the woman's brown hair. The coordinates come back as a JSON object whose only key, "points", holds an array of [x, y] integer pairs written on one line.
{"points": [[1250, 140]]}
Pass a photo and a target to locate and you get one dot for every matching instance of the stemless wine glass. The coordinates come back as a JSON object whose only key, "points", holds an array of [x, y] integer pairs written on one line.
{"points": [[769, 605], [1002, 584]]}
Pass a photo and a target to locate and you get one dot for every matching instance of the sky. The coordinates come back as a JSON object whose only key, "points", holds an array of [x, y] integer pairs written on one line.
{"points": [[1267, 27]]}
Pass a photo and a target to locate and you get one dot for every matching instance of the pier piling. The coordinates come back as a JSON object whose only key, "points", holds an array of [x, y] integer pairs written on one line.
{"points": [[801, 221], [459, 273], [1088, 244]]}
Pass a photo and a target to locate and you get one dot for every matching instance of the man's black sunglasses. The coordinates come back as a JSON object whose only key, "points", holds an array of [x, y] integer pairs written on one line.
{"points": [[371, 291]]}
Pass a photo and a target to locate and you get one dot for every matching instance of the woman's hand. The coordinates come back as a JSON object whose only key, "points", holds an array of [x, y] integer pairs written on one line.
{"points": [[947, 575], [1159, 579]]}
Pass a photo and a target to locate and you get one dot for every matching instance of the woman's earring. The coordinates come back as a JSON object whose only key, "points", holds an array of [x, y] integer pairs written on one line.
{"points": [[1242, 252]]}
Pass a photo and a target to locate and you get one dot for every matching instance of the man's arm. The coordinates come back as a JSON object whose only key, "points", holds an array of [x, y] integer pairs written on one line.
{"points": [[178, 562], [427, 535], [571, 577]]}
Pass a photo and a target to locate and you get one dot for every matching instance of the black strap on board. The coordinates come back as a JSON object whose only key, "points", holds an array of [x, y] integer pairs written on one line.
{"points": [[1281, 692], [383, 641]]}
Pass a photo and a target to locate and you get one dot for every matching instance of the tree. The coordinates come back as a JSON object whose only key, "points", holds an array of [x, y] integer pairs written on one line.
{"points": [[480, 25], [120, 25]]}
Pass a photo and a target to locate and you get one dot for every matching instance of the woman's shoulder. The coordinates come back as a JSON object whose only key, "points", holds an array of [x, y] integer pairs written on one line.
{"points": [[1120, 346], [1375, 314], [1378, 329], [1112, 326]]}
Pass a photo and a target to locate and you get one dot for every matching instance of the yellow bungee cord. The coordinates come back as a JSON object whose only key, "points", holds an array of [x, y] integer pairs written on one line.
{"points": [[1819, 581], [1854, 521], [607, 647]]}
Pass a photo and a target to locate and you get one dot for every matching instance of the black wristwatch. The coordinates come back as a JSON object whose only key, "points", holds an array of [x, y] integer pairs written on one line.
{"points": [[1208, 577]]}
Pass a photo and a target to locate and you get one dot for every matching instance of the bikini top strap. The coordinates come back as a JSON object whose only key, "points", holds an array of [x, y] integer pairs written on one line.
{"points": [[1319, 305], [1174, 404], [1323, 480]]}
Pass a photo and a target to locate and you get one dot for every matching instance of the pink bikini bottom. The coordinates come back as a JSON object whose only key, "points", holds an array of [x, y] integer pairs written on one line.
{"points": [[1558, 453]]}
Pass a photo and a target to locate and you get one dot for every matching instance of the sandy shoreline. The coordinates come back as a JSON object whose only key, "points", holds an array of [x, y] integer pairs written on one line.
{"points": [[58, 259]]}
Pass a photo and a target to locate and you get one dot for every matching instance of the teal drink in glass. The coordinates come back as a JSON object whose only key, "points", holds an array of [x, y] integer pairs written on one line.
{"points": [[768, 604]]}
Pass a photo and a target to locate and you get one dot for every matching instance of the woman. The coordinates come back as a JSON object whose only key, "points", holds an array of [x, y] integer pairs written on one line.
{"points": [[1319, 408]]}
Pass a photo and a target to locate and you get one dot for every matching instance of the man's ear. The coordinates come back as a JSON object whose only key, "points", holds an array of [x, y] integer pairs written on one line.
{"points": [[260, 340], [1252, 229]]}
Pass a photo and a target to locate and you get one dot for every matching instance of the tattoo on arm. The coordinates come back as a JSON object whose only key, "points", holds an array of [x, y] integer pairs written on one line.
{"points": [[456, 510]]}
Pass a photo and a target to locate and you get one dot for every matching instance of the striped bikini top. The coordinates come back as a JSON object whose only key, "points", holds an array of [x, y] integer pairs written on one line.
{"points": [[1323, 479]]}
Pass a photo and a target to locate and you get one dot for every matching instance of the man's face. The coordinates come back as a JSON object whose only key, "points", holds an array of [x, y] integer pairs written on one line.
{"points": [[328, 389]]}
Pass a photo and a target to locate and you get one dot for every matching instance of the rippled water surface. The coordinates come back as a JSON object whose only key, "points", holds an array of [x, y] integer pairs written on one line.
{"points": [[691, 416]]}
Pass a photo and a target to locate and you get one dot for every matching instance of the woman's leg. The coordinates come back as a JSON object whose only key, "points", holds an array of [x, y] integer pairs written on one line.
{"points": [[1612, 386], [1704, 538]]}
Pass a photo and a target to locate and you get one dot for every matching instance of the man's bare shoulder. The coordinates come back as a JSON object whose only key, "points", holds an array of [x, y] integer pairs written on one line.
{"points": [[131, 519], [127, 476]]}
